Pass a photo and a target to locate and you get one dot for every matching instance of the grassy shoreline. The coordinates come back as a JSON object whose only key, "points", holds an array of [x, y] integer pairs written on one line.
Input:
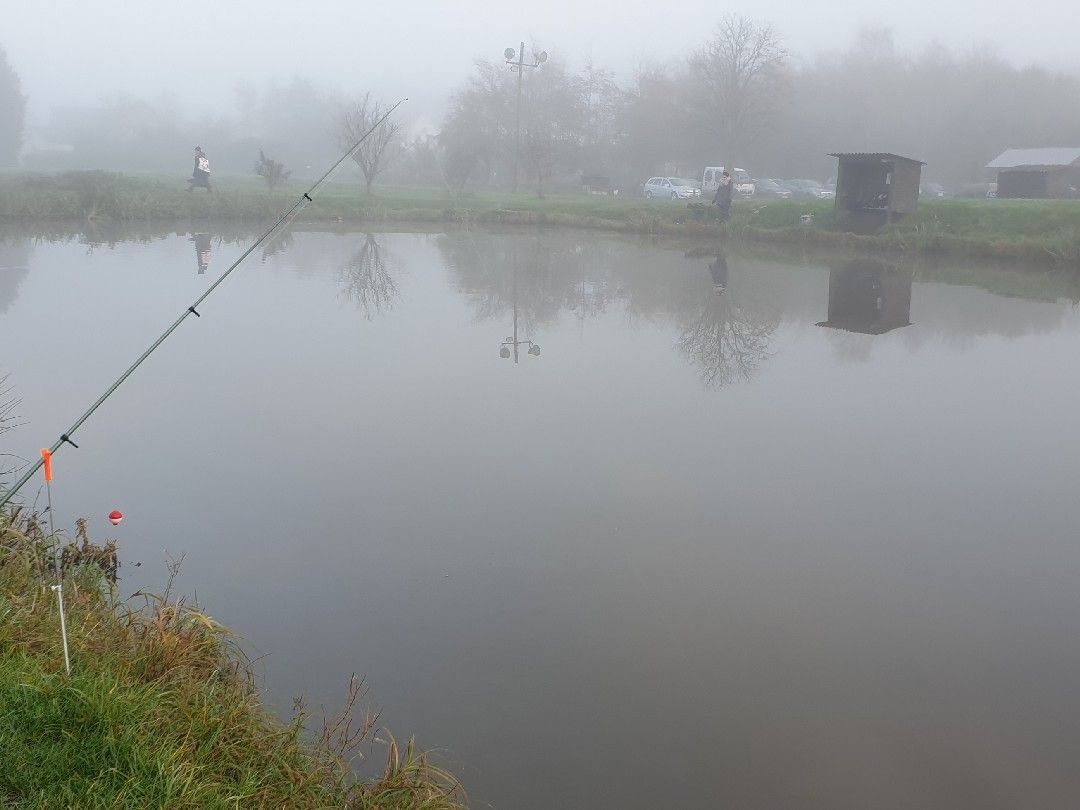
{"points": [[1040, 233], [161, 708]]}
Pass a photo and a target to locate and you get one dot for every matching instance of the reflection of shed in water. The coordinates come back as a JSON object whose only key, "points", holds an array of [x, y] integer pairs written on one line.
{"points": [[869, 297], [873, 188]]}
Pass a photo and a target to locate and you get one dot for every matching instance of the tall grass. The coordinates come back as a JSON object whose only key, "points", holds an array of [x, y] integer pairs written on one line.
{"points": [[161, 709]]}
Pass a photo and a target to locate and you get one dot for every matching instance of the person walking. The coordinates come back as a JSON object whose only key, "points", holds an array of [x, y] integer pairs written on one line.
{"points": [[722, 200], [201, 176]]}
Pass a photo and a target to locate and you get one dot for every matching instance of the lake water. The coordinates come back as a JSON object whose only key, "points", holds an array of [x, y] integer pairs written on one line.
{"points": [[745, 533]]}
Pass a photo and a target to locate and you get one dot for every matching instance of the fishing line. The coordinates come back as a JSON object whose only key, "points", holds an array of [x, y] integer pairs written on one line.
{"points": [[284, 219]]}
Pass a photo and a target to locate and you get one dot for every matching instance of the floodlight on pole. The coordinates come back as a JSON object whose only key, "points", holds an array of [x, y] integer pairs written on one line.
{"points": [[519, 64]]}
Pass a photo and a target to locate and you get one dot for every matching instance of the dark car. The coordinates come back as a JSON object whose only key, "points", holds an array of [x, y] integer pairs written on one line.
{"points": [[771, 188]]}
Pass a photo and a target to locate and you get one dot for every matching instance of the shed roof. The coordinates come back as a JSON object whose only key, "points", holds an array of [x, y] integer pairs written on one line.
{"points": [[1047, 157], [874, 157]]}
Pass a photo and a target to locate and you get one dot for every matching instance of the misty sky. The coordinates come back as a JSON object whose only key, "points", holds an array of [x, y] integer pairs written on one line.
{"points": [[198, 52]]}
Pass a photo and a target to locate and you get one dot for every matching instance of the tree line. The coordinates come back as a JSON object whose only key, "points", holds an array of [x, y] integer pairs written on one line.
{"points": [[738, 98], [741, 99]]}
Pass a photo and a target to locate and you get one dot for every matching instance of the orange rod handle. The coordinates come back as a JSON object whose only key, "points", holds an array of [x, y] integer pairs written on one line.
{"points": [[46, 456]]}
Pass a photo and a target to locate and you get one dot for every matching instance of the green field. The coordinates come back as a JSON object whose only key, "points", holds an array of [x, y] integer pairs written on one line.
{"points": [[1039, 232]]}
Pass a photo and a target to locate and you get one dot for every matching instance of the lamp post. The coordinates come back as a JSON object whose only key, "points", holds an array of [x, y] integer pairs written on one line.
{"points": [[519, 64]]}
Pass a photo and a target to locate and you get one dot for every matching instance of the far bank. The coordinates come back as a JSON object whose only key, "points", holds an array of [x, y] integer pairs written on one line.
{"points": [[1040, 233]]}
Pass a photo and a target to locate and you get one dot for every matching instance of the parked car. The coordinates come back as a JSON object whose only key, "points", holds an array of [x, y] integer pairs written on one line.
{"points": [[932, 190], [976, 190], [811, 189], [671, 188], [768, 187], [710, 181]]}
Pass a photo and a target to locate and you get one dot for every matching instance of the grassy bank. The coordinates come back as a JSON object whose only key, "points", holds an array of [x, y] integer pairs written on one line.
{"points": [[1037, 232], [161, 709]]}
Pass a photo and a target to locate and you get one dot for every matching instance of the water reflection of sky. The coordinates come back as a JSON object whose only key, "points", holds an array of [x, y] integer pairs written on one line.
{"points": [[835, 569]]}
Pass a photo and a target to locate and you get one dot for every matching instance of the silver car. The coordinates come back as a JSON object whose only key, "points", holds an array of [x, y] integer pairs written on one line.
{"points": [[671, 188], [809, 188]]}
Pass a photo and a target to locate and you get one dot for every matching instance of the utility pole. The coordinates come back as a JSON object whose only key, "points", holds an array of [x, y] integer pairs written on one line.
{"points": [[519, 64]]}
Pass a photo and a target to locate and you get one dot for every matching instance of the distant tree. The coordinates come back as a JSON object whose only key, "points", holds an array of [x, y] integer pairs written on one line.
{"points": [[649, 122], [356, 120], [416, 162], [600, 99], [12, 113], [479, 131], [552, 123], [736, 82], [270, 170], [477, 134], [458, 161]]}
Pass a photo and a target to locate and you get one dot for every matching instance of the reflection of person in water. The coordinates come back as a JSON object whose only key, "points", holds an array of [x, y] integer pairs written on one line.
{"points": [[202, 251], [719, 272]]}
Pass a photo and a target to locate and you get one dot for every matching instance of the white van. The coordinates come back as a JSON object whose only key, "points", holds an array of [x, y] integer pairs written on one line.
{"points": [[710, 181]]}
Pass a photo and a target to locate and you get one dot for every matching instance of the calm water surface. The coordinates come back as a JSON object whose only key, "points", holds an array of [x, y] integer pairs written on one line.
{"points": [[743, 534]]}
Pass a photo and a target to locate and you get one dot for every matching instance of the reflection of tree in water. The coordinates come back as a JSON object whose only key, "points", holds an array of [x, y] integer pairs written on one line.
{"points": [[725, 329], [542, 277], [277, 245], [367, 279], [726, 336], [851, 347], [14, 266]]}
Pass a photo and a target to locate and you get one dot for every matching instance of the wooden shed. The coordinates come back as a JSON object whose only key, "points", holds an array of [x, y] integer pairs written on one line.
{"points": [[1037, 174], [869, 297], [876, 187]]}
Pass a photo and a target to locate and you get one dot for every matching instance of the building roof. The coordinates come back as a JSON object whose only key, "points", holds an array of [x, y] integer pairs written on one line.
{"points": [[1048, 157], [873, 157]]}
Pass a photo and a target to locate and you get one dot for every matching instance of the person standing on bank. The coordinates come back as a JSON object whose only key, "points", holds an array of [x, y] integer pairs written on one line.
{"points": [[722, 200], [201, 176]]}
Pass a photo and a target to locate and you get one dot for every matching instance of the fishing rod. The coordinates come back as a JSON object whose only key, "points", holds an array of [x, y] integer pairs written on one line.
{"points": [[283, 220]]}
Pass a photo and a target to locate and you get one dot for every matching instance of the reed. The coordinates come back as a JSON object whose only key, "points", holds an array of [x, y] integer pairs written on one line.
{"points": [[161, 709]]}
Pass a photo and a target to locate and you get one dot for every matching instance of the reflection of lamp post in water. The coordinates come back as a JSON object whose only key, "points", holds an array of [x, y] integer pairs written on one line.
{"points": [[519, 65], [512, 341]]}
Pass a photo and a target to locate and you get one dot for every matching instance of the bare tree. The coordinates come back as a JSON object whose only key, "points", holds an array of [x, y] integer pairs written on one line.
{"points": [[356, 120], [736, 82]]}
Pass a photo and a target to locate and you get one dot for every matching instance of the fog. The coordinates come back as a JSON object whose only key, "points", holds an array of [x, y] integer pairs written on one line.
{"points": [[130, 90], [70, 53]]}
